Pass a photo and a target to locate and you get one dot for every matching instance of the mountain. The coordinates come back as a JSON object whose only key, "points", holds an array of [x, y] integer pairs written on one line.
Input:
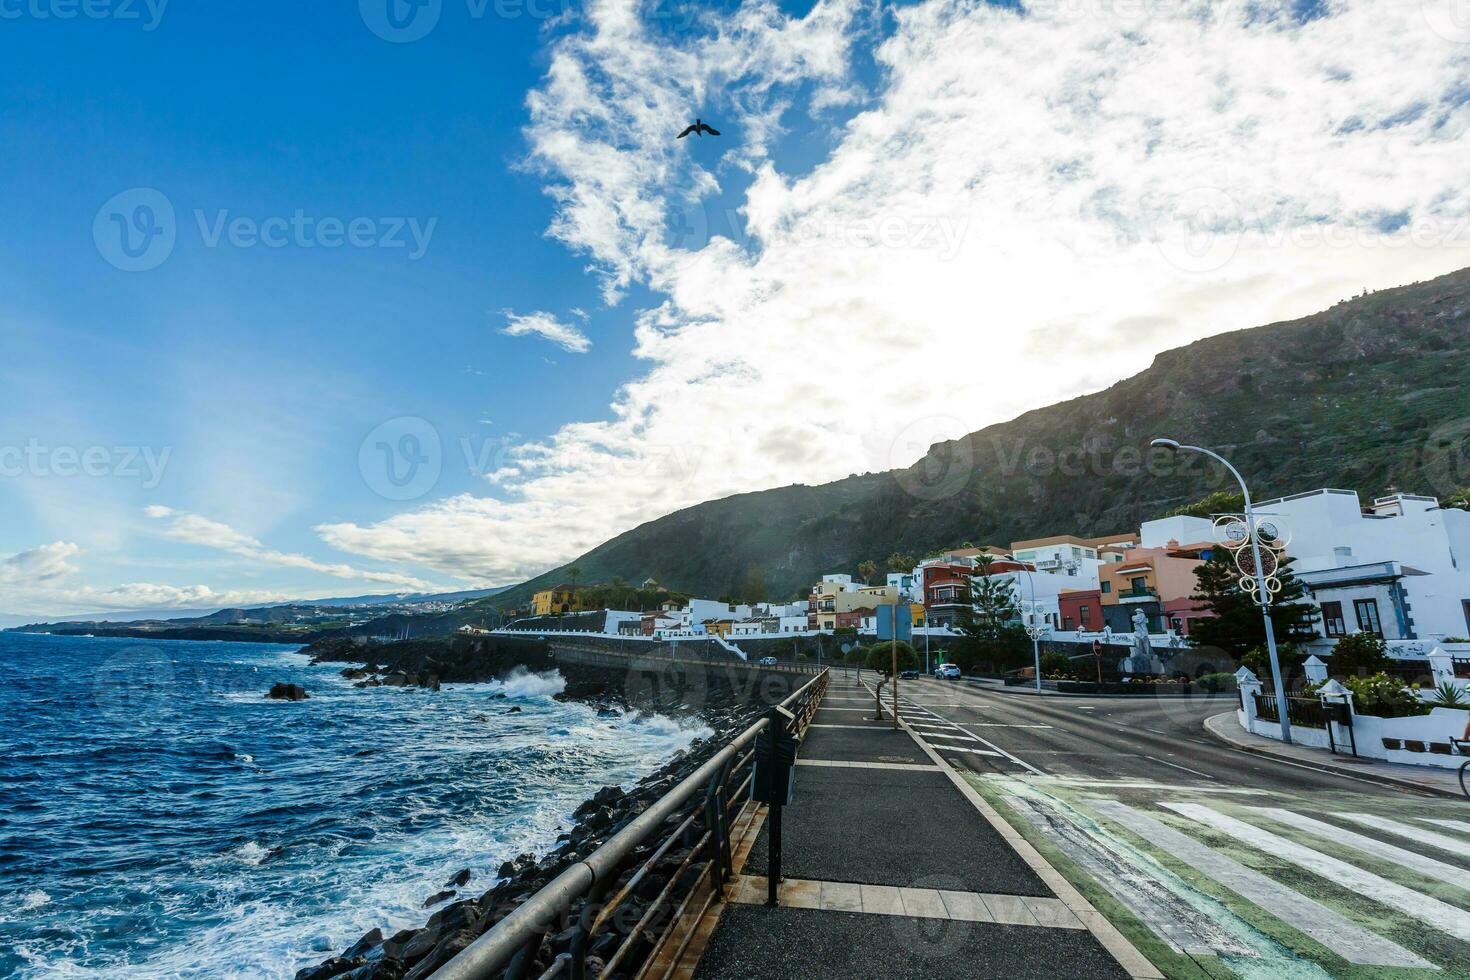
{"points": [[1368, 395]]}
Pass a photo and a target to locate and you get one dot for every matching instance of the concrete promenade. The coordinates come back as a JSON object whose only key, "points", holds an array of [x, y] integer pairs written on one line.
{"points": [[895, 867]]}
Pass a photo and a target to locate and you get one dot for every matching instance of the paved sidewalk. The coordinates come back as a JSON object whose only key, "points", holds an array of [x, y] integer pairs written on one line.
{"points": [[1226, 728], [894, 867]]}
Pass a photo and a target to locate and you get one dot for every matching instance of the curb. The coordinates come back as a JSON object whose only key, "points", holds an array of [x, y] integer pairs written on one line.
{"points": [[1367, 775], [1031, 692]]}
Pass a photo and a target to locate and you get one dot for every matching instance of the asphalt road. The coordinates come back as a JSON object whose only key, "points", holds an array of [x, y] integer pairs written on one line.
{"points": [[1158, 740]]}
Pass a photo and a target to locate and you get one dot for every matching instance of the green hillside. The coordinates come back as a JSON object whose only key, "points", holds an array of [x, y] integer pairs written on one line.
{"points": [[1371, 394]]}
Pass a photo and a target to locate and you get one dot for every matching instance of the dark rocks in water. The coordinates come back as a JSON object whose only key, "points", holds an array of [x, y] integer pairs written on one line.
{"points": [[420, 943], [334, 967], [354, 673], [415, 953], [518, 864], [287, 692], [447, 949], [362, 946], [607, 796], [438, 897]]}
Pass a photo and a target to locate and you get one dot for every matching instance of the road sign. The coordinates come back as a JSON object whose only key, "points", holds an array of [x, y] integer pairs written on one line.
{"points": [[886, 616]]}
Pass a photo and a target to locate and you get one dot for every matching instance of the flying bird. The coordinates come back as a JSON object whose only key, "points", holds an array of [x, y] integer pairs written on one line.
{"points": [[699, 128]]}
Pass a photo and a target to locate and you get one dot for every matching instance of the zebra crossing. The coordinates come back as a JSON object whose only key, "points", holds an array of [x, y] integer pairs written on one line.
{"points": [[1353, 894], [1199, 862]]}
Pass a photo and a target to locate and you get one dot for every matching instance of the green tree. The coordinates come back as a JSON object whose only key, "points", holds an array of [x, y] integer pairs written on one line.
{"points": [[856, 656], [753, 589], [880, 656], [573, 574], [899, 562], [1219, 502], [866, 570], [1235, 625], [992, 601], [1358, 655]]}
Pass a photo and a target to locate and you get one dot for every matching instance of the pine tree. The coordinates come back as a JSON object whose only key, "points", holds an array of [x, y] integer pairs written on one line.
{"points": [[1236, 626]]}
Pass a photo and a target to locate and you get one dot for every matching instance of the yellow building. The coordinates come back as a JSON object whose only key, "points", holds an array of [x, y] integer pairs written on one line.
{"points": [[562, 599], [828, 598]]}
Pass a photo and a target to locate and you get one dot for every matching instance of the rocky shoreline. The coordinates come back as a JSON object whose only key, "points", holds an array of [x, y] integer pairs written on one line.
{"points": [[415, 953]]}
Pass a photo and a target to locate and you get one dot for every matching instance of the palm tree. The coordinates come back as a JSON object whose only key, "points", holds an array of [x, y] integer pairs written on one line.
{"points": [[573, 574], [866, 571]]}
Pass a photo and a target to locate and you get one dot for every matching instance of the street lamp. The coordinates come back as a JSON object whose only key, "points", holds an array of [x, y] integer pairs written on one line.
{"points": [[1032, 629], [1263, 594]]}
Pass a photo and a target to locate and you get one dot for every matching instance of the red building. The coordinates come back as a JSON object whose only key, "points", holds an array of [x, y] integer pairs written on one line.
{"points": [[854, 619], [1081, 609]]}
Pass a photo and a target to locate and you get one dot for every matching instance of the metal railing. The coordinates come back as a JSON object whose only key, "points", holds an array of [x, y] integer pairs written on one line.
{"points": [[512, 946], [1306, 712]]}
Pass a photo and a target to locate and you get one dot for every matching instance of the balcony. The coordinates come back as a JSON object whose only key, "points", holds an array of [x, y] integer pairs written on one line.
{"points": [[1138, 595]]}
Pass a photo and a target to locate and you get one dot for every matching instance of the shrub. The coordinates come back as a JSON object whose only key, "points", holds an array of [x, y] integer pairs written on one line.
{"points": [[1215, 683], [1382, 695], [857, 656], [1448, 695], [1359, 654], [1055, 664], [880, 656]]}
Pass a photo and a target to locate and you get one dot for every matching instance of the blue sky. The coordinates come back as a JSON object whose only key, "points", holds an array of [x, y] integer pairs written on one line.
{"points": [[516, 160]]}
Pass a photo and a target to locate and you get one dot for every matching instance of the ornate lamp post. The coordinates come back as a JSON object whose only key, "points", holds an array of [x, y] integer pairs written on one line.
{"points": [[1257, 581]]}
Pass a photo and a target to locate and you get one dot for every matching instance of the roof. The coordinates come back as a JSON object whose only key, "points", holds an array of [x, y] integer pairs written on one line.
{"points": [[1098, 542]]}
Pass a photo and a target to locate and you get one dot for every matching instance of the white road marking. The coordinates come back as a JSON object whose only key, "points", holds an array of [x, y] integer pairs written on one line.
{"points": [[966, 738], [1447, 873], [965, 748], [996, 748], [1452, 844], [1431, 911], [1177, 766], [1459, 825], [1337, 933], [1136, 784]]}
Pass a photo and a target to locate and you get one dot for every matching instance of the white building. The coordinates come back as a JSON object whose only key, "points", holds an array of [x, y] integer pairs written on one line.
{"points": [[1400, 569]]}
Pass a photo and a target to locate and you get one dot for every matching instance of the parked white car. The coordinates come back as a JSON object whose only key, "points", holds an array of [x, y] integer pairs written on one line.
{"points": [[947, 672]]}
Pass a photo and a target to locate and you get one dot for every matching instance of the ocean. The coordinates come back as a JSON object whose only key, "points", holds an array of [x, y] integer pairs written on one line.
{"points": [[159, 817]]}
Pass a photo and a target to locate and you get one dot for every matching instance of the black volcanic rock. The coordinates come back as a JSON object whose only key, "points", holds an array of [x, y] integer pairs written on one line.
{"points": [[287, 692]]}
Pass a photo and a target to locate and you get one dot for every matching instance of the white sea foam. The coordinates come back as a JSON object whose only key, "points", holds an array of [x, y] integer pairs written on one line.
{"points": [[33, 900], [521, 683], [251, 853]]}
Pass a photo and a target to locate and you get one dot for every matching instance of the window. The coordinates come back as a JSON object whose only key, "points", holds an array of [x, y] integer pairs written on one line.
{"points": [[1332, 623], [1140, 584], [1367, 612], [1085, 612], [1107, 587]]}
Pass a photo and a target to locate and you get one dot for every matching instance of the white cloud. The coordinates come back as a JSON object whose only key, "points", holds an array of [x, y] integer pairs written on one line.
{"points": [[194, 529], [539, 324], [38, 582], [39, 566], [1027, 208]]}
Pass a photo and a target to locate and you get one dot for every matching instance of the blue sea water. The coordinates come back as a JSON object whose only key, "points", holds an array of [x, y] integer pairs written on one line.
{"points": [[160, 818]]}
